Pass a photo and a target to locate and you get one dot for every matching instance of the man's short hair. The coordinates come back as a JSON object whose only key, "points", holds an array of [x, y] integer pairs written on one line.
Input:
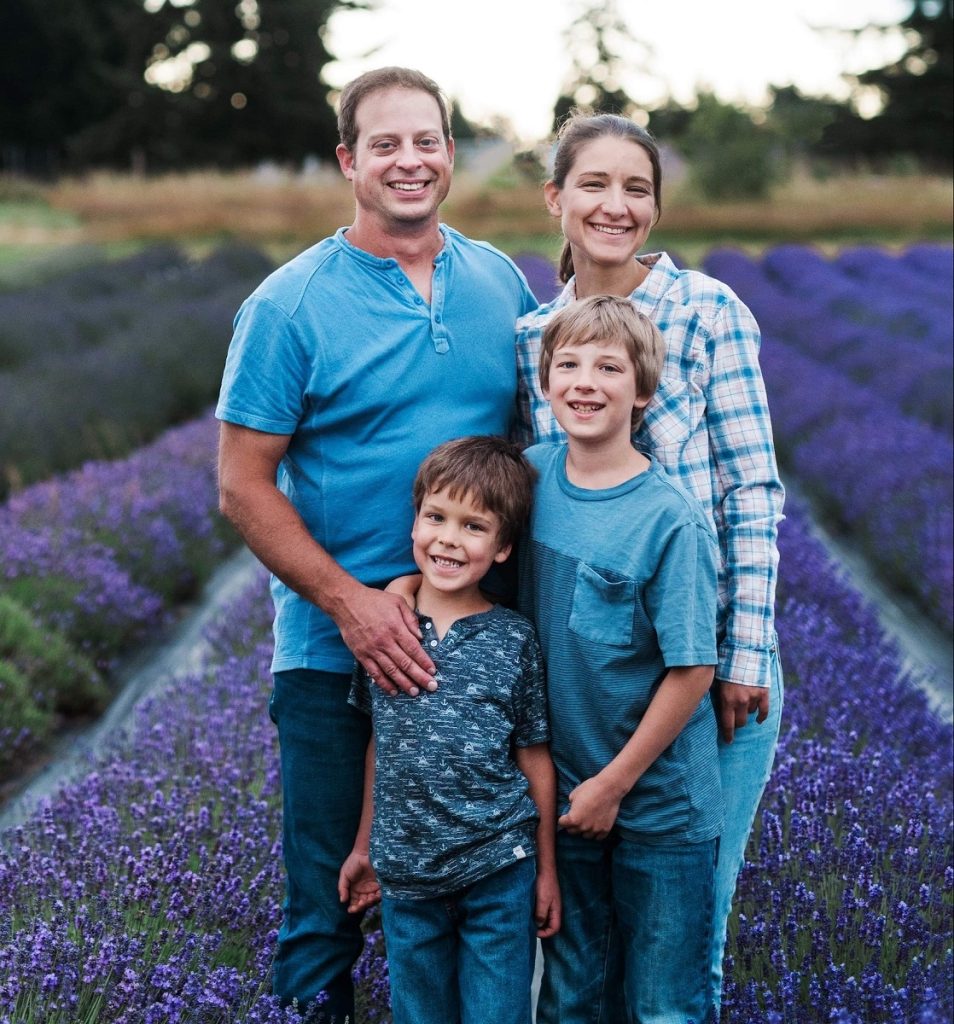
{"points": [[384, 78], [490, 470], [607, 318]]}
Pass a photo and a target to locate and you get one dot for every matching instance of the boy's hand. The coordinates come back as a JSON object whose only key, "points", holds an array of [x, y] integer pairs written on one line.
{"points": [[548, 912], [406, 587], [357, 884], [593, 810]]}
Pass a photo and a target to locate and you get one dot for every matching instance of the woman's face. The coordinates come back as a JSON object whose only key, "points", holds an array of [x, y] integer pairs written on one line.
{"points": [[608, 201]]}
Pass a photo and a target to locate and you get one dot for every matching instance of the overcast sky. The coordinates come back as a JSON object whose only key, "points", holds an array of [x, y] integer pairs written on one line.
{"points": [[508, 58]]}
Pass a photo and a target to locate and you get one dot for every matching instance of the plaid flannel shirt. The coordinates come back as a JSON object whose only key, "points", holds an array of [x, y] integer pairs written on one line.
{"points": [[708, 424]]}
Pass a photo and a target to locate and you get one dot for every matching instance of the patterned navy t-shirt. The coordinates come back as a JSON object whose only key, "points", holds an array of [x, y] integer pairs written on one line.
{"points": [[450, 804]]}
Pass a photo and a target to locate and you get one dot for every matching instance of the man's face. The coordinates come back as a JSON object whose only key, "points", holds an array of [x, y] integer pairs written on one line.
{"points": [[401, 165]]}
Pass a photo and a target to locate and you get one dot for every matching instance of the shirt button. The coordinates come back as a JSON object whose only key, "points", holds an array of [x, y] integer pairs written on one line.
{"points": [[433, 643], [427, 625]]}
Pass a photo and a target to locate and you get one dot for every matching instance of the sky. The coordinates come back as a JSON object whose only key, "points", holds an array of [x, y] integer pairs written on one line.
{"points": [[508, 58]]}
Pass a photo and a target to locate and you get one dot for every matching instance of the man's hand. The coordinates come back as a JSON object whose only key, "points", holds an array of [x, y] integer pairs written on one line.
{"points": [[547, 913], [593, 810], [357, 884], [382, 632], [735, 702]]}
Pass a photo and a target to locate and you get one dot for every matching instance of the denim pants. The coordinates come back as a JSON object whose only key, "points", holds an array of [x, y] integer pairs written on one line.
{"points": [[322, 741], [634, 944], [745, 765], [464, 958]]}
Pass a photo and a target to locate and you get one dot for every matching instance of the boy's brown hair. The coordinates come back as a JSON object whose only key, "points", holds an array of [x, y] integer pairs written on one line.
{"points": [[607, 318], [491, 471]]}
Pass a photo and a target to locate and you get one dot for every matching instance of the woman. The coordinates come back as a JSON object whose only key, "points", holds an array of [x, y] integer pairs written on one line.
{"points": [[708, 424]]}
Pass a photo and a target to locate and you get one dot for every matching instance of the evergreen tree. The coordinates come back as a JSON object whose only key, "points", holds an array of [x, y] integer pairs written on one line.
{"points": [[163, 83], [598, 40]]}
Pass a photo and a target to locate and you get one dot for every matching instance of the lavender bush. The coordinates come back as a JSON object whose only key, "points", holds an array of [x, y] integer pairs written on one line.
{"points": [[98, 362], [150, 889], [837, 383], [98, 557]]}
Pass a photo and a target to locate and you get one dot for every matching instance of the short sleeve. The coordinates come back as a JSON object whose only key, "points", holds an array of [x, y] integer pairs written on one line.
{"points": [[681, 597], [531, 724], [267, 371]]}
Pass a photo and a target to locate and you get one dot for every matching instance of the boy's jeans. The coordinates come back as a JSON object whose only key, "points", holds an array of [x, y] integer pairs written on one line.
{"points": [[465, 958], [636, 933], [322, 742], [745, 765]]}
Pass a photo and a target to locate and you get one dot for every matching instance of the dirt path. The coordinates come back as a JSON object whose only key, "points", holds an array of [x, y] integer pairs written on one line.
{"points": [[175, 653]]}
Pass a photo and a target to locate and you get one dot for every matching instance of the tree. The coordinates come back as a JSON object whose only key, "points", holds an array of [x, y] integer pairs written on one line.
{"points": [[916, 96], [164, 83], [917, 91], [730, 155], [599, 42]]}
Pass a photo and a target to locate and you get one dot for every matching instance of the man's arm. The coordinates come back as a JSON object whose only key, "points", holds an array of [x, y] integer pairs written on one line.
{"points": [[536, 764], [594, 804], [380, 630]]}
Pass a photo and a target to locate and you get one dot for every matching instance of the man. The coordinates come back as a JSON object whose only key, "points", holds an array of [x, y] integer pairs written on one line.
{"points": [[347, 366]]}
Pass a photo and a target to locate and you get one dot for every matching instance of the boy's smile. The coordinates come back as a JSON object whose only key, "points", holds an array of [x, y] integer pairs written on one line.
{"points": [[592, 390], [455, 543]]}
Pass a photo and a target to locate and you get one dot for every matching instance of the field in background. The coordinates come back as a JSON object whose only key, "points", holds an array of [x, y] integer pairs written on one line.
{"points": [[283, 213]]}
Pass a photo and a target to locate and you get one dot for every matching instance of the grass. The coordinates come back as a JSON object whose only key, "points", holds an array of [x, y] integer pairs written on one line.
{"points": [[284, 212]]}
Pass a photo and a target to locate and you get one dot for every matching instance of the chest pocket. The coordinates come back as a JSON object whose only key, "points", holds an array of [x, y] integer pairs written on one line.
{"points": [[673, 415], [603, 606]]}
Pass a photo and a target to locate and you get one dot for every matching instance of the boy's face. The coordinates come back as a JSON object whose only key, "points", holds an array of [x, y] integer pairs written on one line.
{"points": [[592, 391], [455, 541]]}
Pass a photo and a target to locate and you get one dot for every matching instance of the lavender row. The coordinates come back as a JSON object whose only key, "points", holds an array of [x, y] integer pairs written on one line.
{"points": [[883, 320], [149, 891], [100, 361], [95, 560], [883, 477]]}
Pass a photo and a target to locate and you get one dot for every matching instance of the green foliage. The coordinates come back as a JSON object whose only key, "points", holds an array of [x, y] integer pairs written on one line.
{"points": [[57, 676], [730, 156], [23, 724], [114, 83]]}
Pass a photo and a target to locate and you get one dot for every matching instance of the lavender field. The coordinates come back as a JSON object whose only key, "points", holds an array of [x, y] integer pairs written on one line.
{"points": [[148, 890]]}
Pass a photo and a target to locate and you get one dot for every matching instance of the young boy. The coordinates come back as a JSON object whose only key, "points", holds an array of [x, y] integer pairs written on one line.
{"points": [[460, 778], [619, 574]]}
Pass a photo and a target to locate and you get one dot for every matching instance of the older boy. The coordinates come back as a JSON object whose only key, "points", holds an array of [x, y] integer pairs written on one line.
{"points": [[464, 795], [621, 583]]}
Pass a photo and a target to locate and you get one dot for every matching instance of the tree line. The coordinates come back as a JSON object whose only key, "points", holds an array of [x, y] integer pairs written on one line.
{"points": [[162, 84]]}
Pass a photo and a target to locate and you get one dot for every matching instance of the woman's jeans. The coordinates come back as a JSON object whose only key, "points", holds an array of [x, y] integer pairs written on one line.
{"points": [[636, 934], [745, 765], [323, 742], [464, 958]]}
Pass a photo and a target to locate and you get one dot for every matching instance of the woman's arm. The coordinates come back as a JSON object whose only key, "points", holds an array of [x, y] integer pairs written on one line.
{"points": [[743, 455]]}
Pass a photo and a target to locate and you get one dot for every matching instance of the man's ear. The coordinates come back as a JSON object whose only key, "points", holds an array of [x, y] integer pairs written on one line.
{"points": [[345, 160]]}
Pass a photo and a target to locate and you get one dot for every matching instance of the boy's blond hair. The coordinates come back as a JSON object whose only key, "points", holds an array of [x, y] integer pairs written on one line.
{"points": [[490, 470], [608, 318]]}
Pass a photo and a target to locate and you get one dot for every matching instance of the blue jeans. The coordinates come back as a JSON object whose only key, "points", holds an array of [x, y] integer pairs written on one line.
{"points": [[323, 742], [634, 944], [465, 958], [745, 765]]}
